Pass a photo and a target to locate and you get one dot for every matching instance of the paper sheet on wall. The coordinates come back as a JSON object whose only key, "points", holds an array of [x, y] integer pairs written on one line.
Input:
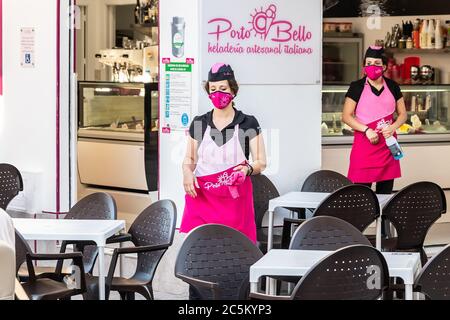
{"points": [[27, 47], [178, 96]]}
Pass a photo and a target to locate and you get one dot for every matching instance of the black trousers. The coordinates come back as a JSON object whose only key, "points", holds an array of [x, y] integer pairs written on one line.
{"points": [[383, 187]]}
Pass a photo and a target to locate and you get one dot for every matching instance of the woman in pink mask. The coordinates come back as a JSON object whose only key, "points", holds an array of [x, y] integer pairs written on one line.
{"points": [[369, 109], [216, 168]]}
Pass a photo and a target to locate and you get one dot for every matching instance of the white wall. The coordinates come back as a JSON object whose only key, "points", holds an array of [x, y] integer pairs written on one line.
{"points": [[28, 124], [440, 61]]}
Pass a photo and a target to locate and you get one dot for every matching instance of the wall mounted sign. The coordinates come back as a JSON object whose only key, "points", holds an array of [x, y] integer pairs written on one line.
{"points": [[275, 42], [27, 47]]}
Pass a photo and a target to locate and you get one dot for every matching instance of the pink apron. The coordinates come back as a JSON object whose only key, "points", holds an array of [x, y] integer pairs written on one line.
{"points": [[219, 200], [373, 163]]}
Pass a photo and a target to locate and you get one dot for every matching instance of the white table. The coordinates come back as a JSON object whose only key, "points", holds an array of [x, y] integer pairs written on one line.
{"points": [[73, 230], [312, 200], [297, 262]]}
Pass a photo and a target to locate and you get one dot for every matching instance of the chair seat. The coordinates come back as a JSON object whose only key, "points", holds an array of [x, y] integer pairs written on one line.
{"points": [[46, 289], [118, 284]]}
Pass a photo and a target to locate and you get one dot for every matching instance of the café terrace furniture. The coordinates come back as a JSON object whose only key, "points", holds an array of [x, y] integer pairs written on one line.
{"points": [[325, 181], [215, 261], [152, 234], [434, 279], [10, 184], [326, 234], [412, 212], [314, 199], [263, 191], [46, 288], [356, 272], [73, 230]]}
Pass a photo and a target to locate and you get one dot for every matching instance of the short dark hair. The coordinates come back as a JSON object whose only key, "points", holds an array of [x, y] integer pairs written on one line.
{"points": [[232, 83], [384, 58]]}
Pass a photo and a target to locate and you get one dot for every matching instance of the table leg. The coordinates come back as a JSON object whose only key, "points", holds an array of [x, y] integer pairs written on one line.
{"points": [[121, 264], [378, 235], [272, 286], [101, 272], [409, 292]]}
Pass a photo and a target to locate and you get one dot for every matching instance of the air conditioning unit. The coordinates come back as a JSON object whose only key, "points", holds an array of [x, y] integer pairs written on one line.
{"points": [[29, 200]]}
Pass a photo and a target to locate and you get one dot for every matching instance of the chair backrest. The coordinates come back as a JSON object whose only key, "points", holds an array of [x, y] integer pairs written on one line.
{"points": [[10, 184], [326, 233], [353, 273], [356, 204], [219, 254], [7, 272], [96, 206], [413, 210], [326, 181], [154, 226], [263, 191], [22, 248], [434, 279]]}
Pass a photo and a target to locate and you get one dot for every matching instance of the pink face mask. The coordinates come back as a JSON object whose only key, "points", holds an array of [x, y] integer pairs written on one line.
{"points": [[374, 72], [221, 99]]}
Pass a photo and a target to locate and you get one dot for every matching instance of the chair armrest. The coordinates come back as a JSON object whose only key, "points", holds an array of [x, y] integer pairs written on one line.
{"points": [[76, 257], [286, 233], [141, 249], [119, 238], [197, 283], [261, 296]]}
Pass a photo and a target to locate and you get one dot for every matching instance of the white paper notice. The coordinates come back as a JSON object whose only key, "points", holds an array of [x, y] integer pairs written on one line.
{"points": [[178, 96], [27, 47]]}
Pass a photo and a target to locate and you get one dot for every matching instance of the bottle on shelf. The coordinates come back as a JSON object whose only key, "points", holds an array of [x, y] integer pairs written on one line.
{"points": [[416, 34], [423, 34], [438, 37], [431, 35], [448, 33]]}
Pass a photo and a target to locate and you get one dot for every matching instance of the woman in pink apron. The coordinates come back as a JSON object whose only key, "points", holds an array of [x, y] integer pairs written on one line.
{"points": [[216, 168], [369, 109]]}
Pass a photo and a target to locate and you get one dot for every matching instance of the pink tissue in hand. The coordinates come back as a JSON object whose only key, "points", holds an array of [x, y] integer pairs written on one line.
{"points": [[237, 178]]}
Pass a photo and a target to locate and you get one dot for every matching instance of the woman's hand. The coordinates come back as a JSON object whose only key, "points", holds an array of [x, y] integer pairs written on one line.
{"points": [[372, 136], [243, 169], [388, 131], [190, 183]]}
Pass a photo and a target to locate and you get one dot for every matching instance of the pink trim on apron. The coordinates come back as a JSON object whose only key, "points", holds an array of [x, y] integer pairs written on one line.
{"points": [[221, 199], [373, 163]]}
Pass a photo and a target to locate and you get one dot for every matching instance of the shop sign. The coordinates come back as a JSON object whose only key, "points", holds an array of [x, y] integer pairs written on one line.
{"points": [[276, 42], [27, 47]]}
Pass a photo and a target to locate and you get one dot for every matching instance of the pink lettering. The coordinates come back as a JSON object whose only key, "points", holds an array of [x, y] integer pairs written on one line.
{"points": [[283, 31], [223, 26]]}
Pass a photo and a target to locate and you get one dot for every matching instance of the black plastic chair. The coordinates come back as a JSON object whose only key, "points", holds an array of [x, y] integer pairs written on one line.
{"points": [[412, 211], [152, 234], [325, 181], [47, 288], [326, 234], [11, 184], [263, 191], [215, 260], [353, 273], [355, 204], [434, 279]]}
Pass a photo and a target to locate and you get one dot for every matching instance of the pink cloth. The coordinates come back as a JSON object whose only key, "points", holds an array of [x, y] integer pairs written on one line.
{"points": [[373, 163], [225, 196]]}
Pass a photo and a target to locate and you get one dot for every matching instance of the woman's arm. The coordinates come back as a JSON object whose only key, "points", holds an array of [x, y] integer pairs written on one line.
{"points": [[349, 119], [258, 151], [402, 116], [189, 164]]}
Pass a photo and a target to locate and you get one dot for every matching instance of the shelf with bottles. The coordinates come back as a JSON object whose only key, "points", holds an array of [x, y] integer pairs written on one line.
{"points": [[417, 51], [146, 14]]}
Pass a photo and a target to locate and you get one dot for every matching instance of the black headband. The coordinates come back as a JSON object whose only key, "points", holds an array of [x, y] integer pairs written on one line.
{"points": [[375, 52]]}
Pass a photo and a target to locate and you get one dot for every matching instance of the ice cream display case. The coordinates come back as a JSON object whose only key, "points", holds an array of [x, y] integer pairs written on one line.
{"points": [[428, 115], [118, 135]]}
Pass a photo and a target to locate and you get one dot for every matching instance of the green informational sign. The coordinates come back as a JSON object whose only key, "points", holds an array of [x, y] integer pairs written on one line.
{"points": [[178, 67]]}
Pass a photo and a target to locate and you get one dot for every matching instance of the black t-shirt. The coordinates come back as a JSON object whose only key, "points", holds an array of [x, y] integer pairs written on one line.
{"points": [[357, 87], [248, 129]]}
